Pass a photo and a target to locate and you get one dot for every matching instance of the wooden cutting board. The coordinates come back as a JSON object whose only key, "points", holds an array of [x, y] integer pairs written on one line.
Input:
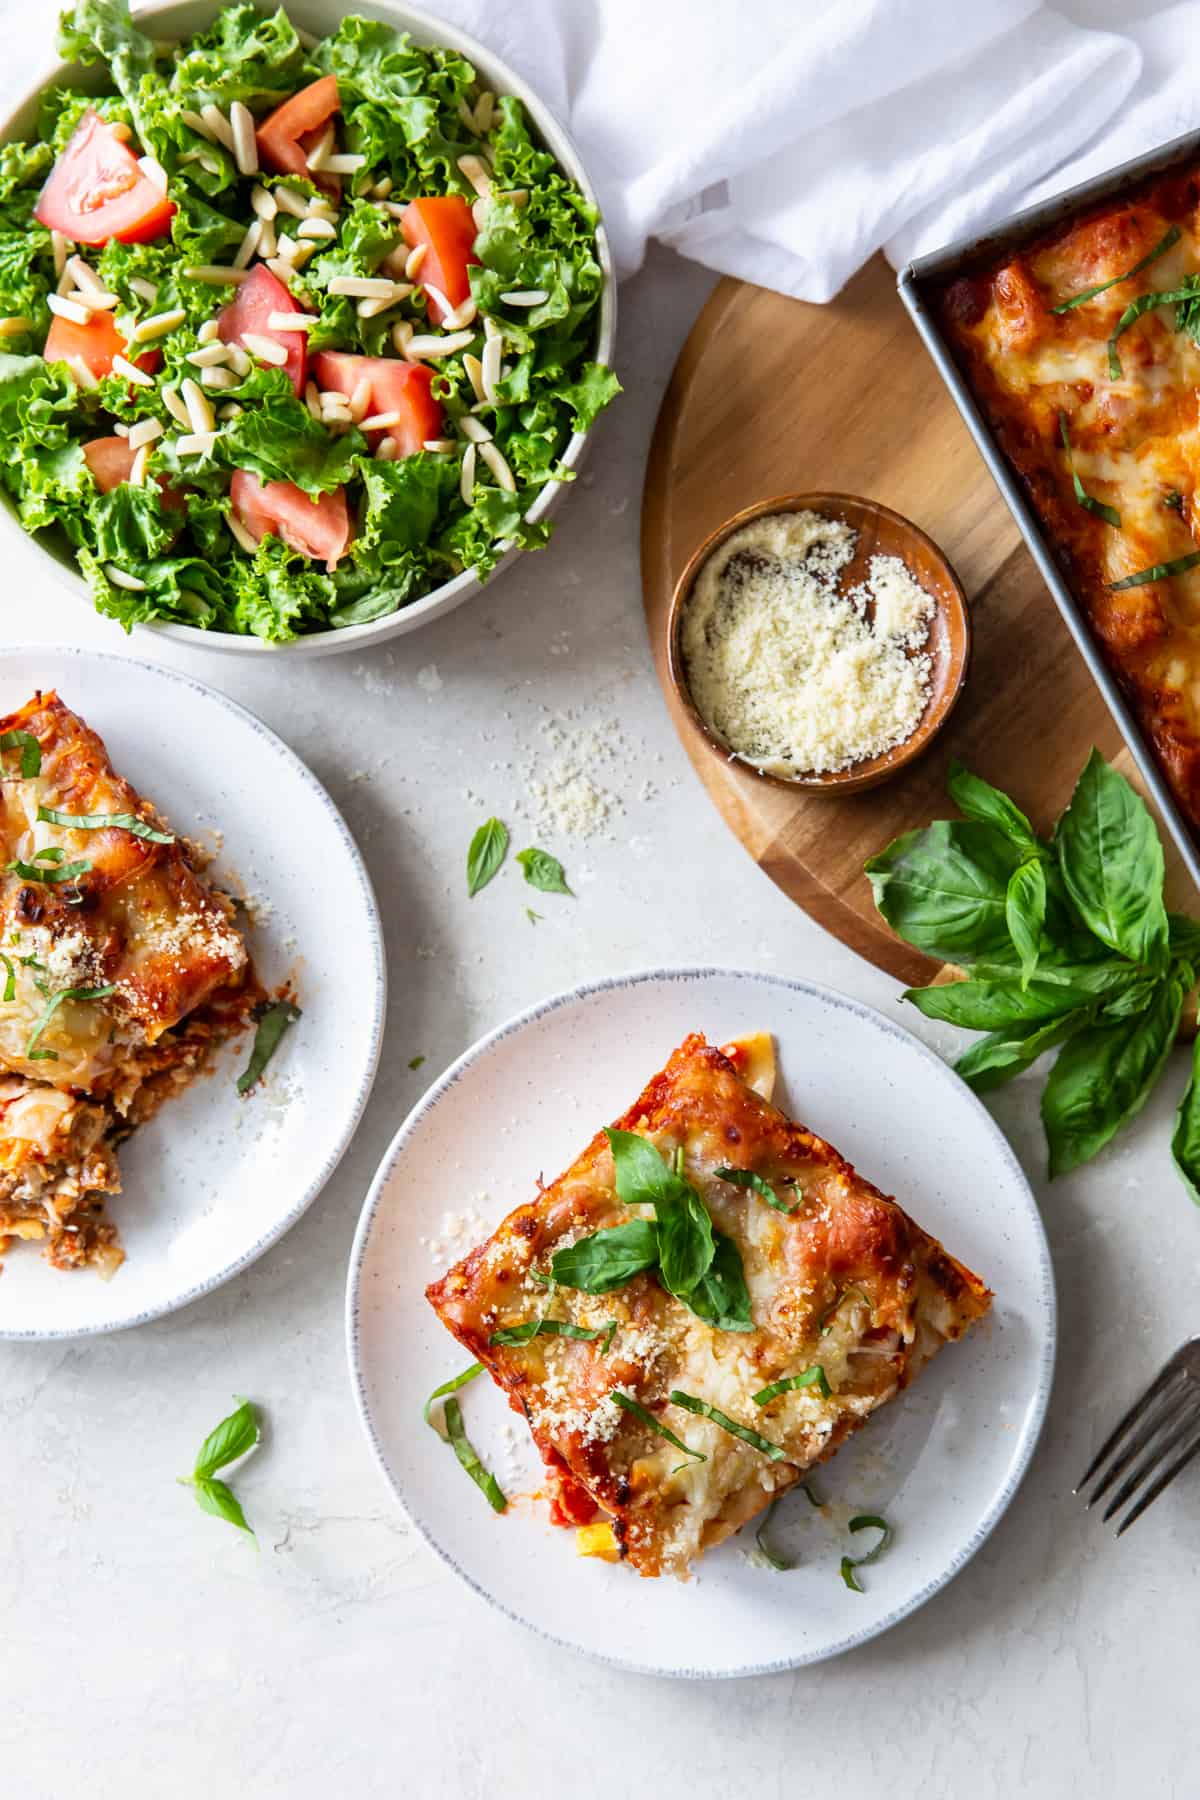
{"points": [[771, 396]]}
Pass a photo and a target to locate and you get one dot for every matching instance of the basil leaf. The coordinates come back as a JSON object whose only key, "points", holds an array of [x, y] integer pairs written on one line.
{"points": [[1103, 1076], [747, 1178], [977, 799], [62, 872], [1134, 999], [630, 1405], [769, 1555], [487, 851], [721, 1297], [1108, 975], [272, 1024], [534, 1328], [31, 751], [215, 1497], [865, 1522], [1025, 912], [1184, 935], [32, 1053], [543, 871], [982, 1005], [944, 889], [450, 1387], [703, 1410], [414, 1062], [1185, 1142], [1181, 296], [813, 1377], [996, 1058], [10, 978], [1171, 237], [1112, 863], [461, 1444], [643, 1175], [608, 1259], [229, 1440], [686, 1242], [1109, 514], [1157, 572], [100, 821]]}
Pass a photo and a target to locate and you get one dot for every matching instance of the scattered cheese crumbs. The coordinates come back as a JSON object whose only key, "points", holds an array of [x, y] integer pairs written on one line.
{"points": [[458, 1233], [563, 792], [794, 676]]}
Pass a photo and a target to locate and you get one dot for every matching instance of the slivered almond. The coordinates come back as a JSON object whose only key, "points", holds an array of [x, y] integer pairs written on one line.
{"points": [[218, 125], [430, 348], [466, 478], [323, 148], [474, 429], [195, 123], [289, 201], [474, 369], [465, 313], [245, 147], [402, 336], [239, 534], [265, 349], [413, 261], [60, 246], [121, 579], [158, 325], [154, 172], [209, 332], [199, 411], [485, 112], [477, 173], [360, 399], [500, 469], [312, 398], [144, 432], [145, 290], [316, 228], [216, 274], [248, 245], [525, 297], [83, 374], [381, 189], [263, 201], [268, 242], [85, 276], [175, 406], [237, 359], [218, 378], [362, 287], [121, 430], [209, 356], [343, 165], [493, 351], [122, 366], [293, 321], [199, 443], [381, 421], [68, 309], [137, 469], [440, 446], [385, 450], [282, 270]]}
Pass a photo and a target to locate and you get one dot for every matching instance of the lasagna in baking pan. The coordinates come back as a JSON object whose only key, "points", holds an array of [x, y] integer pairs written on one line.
{"points": [[706, 1304], [1083, 351], [120, 969]]}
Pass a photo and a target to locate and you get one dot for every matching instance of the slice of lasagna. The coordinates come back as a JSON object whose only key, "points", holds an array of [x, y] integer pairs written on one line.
{"points": [[119, 970], [708, 1302]]}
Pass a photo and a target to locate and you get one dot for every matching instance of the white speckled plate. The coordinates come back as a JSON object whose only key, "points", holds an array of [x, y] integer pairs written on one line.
{"points": [[214, 1180], [942, 1462]]}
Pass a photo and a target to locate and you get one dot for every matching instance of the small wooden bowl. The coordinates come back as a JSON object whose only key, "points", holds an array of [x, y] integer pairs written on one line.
{"points": [[881, 532]]}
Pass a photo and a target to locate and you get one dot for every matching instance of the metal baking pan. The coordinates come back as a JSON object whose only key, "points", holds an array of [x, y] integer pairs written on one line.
{"points": [[959, 259]]}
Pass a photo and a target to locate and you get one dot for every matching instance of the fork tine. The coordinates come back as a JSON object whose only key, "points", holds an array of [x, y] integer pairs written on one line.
{"points": [[1183, 1432], [1162, 1412], [1164, 1480], [1161, 1381]]}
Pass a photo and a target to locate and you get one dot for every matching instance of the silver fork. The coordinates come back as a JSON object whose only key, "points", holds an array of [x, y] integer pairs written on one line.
{"points": [[1165, 1428]]}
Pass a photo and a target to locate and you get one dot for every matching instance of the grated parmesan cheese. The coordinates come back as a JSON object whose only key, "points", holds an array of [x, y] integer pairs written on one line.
{"points": [[794, 676]]}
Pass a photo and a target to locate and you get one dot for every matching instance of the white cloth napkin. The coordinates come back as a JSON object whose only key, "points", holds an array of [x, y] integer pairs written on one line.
{"points": [[787, 140]]}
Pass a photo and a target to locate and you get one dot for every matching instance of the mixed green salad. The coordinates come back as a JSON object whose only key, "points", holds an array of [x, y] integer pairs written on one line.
{"points": [[292, 331]]}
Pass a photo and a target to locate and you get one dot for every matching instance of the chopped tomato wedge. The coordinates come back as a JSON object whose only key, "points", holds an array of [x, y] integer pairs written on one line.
{"points": [[110, 459], [396, 387], [289, 135], [95, 343], [319, 527], [96, 191], [445, 226], [250, 311]]}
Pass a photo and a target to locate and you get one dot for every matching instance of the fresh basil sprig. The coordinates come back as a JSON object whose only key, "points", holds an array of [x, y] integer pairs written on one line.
{"points": [[31, 751], [749, 1178], [703, 1410], [1165, 243], [455, 1435], [273, 1021], [486, 852], [695, 1262], [100, 821], [232, 1439], [543, 871], [866, 1522], [628, 1404], [1102, 978], [813, 1377]]}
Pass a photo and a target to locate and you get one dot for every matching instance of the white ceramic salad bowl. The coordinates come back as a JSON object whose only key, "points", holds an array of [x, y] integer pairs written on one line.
{"points": [[321, 17]]}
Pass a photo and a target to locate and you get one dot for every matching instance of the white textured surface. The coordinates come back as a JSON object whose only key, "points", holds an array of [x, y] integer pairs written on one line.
{"points": [[145, 1650]]}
